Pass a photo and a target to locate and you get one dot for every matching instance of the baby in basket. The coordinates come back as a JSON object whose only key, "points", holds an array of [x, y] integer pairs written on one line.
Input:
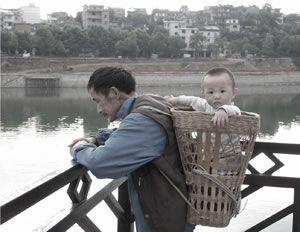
{"points": [[218, 86]]}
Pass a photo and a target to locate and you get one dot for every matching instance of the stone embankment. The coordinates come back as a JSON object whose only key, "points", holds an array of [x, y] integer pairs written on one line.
{"points": [[74, 72]]}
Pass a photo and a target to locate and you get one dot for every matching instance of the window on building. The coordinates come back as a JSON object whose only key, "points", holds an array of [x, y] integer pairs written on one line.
{"points": [[93, 13], [208, 33], [183, 37], [183, 31], [193, 31], [176, 33], [176, 26]]}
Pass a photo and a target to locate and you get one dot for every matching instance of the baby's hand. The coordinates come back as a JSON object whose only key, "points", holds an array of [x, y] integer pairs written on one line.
{"points": [[171, 99], [220, 119]]}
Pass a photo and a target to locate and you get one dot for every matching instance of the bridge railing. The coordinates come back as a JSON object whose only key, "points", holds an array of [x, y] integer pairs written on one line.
{"points": [[78, 180]]}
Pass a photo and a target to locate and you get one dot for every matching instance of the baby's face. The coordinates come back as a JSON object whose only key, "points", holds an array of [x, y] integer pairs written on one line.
{"points": [[218, 90]]}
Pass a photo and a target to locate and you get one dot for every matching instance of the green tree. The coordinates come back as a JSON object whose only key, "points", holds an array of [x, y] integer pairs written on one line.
{"points": [[140, 20], [6, 38], [114, 35], [268, 46], [76, 40], [97, 37], [128, 47], [159, 43], [175, 45], [44, 41], [24, 41], [143, 42], [197, 43]]}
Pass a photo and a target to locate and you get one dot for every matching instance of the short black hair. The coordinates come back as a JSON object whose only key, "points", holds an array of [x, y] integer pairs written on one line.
{"points": [[104, 78], [218, 71]]}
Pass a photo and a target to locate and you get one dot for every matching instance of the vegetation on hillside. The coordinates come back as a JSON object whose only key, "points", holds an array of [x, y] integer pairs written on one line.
{"points": [[264, 34]]}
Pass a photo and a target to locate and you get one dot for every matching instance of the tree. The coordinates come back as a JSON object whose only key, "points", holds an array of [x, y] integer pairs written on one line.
{"points": [[175, 45], [140, 20], [76, 40], [5, 41], [24, 41], [196, 42], [44, 41], [97, 37], [128, 47], [268, 46], [159, 43], [143, 42]]}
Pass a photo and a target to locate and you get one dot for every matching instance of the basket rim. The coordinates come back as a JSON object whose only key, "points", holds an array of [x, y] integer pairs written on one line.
{"points": [[192, 111]]}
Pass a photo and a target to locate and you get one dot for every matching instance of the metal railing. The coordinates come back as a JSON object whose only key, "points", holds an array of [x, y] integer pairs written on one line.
{"points": [[78, 179]]}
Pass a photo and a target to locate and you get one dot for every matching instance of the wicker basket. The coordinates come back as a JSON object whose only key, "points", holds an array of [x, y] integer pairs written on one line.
{"points": [[215, 161]]}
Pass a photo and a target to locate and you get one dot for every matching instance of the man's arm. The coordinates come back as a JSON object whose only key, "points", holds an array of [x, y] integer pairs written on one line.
{"points": [[138, 140]]}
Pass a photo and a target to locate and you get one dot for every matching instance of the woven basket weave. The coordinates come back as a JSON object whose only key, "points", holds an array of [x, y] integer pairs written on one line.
{"points": [[212, 157]]}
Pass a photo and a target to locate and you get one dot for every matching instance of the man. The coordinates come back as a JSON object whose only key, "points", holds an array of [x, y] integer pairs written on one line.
{"points": [[143, 148]]}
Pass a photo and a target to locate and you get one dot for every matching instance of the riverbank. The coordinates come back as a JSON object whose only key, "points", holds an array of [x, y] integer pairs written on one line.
{"points": [[142, 65], [74, 72]]}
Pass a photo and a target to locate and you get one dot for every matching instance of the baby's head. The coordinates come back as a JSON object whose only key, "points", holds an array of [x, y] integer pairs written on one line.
{"points": [[218, 86]]}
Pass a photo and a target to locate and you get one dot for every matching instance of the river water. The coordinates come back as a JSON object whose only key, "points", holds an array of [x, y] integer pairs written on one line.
{"points": [[38, 124]]}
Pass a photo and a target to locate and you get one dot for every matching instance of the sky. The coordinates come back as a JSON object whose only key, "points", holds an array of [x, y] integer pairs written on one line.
{"points": [[49, 6]]}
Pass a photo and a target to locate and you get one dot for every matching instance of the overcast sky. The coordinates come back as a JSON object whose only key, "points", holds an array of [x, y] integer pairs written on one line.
{"points": [[72, 7]]}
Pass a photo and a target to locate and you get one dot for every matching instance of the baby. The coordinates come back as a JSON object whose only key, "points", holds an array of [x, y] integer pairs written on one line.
{"points": [[219, 90]]}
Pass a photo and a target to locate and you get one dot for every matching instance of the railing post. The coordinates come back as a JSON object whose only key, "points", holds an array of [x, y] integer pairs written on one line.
{"points": [[128, 225], [296, 216]]}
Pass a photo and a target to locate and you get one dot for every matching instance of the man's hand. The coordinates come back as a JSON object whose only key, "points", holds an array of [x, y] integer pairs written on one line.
{"points": [[220, 119], [79, 141]]}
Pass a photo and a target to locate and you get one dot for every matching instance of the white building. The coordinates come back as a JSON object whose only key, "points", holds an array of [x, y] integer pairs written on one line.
{"points": [[210, 33], [8, 19], [179, 28], [95, 15], [30, 14], [174, 26], [232, 25]]}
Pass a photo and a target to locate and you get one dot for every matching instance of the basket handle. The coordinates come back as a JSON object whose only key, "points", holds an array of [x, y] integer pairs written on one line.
{"points": [[182, 195], [204, 173]]}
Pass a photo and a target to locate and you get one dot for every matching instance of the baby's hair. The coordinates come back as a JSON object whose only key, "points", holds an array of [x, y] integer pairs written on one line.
{"points": [[218, 71]]}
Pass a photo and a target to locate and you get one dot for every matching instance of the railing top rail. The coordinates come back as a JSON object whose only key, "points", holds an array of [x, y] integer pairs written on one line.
{"points": [[283, 148], [272, 181], [41, 190]]}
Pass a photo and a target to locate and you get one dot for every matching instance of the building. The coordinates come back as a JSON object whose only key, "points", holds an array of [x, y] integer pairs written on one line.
{"points": [[232, 25], [8, 18], [30, 14], [179, 28], [117, 13], [57, 18], [95, 15], [22, 27], [136, 11], [174, 27]]}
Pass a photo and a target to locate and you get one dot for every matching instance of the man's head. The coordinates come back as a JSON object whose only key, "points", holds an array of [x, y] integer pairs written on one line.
{"points": [[219, 87], [109, 87]]}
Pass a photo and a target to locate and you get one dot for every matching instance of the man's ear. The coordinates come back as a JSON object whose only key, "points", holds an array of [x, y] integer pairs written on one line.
{"points": [[115, 92]]}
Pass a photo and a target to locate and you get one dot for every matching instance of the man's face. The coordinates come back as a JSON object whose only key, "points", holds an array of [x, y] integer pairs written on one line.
{"points": [[109, 105]]}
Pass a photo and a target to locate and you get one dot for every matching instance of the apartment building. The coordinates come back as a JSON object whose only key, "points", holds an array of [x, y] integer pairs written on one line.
{"points": [[178, 28], [57, 17], [8, 19], [232, 25], [30, 14], [95, 15]]}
